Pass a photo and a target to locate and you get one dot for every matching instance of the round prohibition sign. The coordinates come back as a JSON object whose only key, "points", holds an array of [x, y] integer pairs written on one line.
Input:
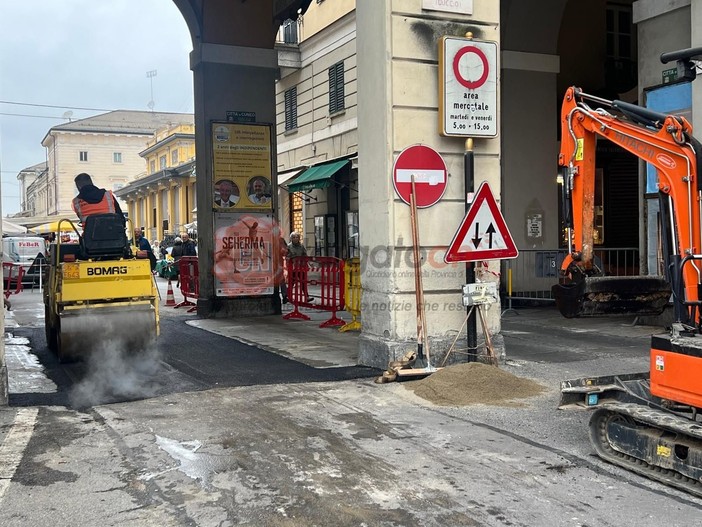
{"points": [[471, 85]]}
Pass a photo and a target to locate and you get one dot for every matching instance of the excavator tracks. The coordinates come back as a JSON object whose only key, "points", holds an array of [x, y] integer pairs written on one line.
{"points": [[660, 445]]}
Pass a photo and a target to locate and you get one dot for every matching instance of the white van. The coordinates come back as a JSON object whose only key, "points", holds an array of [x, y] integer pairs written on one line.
{"points": [[22, 249]]}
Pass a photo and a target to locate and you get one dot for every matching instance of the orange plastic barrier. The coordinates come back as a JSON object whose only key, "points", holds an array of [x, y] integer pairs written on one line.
{"points": [[12, 275], [316, 283], [189, 281]]}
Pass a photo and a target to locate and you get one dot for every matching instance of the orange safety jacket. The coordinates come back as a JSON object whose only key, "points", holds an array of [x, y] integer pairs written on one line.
{"points": [[84, 209]]}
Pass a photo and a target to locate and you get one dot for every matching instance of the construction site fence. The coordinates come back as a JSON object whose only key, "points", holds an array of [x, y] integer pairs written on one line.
{"points": [[12, 278], [529, 277], [352, 293], [189, 282], [316, 282]]}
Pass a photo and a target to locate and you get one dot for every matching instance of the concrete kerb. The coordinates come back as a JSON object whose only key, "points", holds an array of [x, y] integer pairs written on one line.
{"points": [[300, 340], [303, 341]]}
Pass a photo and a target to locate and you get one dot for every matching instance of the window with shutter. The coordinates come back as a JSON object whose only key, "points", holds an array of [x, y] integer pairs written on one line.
{"points": [[291, 109], [290, 31], [336, 88]]}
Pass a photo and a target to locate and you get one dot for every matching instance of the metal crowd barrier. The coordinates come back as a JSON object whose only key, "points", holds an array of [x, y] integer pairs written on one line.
{"points": [[352, 293], [189, 281], [529, 277], [12, 275], [324, 273]]}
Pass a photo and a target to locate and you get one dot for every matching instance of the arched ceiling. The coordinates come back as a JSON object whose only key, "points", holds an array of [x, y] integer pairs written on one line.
{"points": [[531, 26], [251, 23]]}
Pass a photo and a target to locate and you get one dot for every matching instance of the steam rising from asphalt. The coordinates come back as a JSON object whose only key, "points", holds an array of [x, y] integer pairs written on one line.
{"points": [[116, 373]]}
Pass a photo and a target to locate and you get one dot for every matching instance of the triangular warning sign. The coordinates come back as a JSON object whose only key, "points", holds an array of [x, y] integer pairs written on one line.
{"points": [[483, 235]]}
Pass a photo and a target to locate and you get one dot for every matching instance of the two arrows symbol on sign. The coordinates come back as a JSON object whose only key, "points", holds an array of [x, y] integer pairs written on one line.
{"points": [[477, 239], [465, 246]]}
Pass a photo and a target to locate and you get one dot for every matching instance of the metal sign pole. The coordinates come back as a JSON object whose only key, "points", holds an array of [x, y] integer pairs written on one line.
{"points": [[468, 178], [422, 342]]}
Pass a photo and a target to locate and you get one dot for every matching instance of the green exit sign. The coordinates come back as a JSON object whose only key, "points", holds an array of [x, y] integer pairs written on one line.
{"points": [[670, 75]]}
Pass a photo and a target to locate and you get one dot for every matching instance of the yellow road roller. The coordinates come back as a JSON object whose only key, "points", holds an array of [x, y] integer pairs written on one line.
{"points": [[99, 293]]}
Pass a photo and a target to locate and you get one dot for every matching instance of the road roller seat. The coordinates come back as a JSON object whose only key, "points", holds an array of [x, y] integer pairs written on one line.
{"points": [[104, 236], [72, 250]]}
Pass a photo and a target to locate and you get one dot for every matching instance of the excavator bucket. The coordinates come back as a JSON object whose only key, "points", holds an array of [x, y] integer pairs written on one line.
{"points": [[612, 295]]}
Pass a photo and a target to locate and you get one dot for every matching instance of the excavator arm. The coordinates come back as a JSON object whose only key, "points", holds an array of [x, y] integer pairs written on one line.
{"points": [[664, 141], [649, 423]]}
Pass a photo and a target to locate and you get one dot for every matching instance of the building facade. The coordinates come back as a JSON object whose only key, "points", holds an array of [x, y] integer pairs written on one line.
{"points": [[162, 202], [389, 100], [362, 84], [29, 198], [317, 131], [106, 146]]}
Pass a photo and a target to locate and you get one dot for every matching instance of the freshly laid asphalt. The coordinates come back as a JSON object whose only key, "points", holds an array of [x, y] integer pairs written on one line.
{"points": [[195, 354], [267, 422]]}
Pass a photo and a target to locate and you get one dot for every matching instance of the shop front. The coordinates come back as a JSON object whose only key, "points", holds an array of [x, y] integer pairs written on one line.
{"points": [[328, 192]]}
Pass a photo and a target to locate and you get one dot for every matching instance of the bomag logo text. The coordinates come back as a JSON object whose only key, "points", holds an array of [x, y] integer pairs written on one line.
{"points": [[102, 271]]}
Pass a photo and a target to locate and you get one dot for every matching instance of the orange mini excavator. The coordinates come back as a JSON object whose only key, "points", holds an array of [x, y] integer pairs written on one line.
{"points": [[649, 422]]}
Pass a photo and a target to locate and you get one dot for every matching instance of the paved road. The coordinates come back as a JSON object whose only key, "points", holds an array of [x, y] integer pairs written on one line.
{"points": [[233, 435]]}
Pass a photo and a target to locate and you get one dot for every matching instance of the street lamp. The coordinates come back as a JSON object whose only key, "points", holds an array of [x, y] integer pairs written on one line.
{"points": [[150, 75]]}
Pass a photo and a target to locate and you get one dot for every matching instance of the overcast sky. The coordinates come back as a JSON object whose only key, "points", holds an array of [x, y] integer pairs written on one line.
{"points": [[70, 54]]}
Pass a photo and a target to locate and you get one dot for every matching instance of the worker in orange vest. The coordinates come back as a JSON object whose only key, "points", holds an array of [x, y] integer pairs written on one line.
{"points": [[92, 200]]}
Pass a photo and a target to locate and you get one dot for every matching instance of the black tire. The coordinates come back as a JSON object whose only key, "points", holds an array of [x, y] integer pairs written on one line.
{"points": [[63, 357], [50, 330]]}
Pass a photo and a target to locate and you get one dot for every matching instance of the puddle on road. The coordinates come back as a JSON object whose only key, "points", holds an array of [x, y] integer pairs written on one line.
{"points": [[200, 466], [25, 372], [10, 340]]}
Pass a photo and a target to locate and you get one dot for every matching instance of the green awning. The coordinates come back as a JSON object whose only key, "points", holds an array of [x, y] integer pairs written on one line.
{"points": [[318, 176]]}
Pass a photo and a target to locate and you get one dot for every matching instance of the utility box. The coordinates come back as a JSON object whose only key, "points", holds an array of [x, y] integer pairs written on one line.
{"points": [[480, 294], [547, 263]]}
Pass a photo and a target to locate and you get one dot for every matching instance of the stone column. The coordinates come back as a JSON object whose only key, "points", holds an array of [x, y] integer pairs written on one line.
{"points": [[234, 78], [160, 189], [172, 206], [397, 54], [150, 204]]}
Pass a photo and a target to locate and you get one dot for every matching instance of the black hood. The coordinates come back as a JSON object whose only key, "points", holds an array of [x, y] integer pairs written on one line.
{"points": [[91, 194]]}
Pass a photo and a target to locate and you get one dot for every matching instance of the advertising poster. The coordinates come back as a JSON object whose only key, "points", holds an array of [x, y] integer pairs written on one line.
{"points": [[242, 167], [244, 257]]}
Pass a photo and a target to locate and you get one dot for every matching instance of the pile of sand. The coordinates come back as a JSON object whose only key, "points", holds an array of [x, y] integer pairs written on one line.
{"points": [[474, 383]]}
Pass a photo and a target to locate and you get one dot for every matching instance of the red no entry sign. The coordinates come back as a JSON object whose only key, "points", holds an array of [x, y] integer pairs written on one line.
{"points": [[429, 171]]}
